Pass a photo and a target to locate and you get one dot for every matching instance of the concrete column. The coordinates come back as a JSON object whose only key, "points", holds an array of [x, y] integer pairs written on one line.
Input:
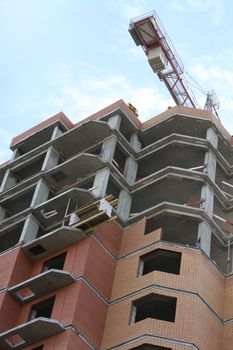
{"points": [[101, 182], [115, 122], [131, 166], [41, 193], [109, 145], [8, 180], [204, 231], [130, 170], [107, 153], [108, 149], [135, 143], [2, 213], [56, 132], [30, 229], [16, 153], [51, 159], [124, 204]]}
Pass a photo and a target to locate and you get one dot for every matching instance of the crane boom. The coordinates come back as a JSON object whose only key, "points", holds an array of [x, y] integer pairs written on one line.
{"points": [[148, 32]]}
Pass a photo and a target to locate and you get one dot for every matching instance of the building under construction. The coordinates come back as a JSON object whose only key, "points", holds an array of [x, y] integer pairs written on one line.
{"points": [[116, 234]]}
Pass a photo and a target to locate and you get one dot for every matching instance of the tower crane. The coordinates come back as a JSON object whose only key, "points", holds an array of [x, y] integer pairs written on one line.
{"points": [[148, 31]]}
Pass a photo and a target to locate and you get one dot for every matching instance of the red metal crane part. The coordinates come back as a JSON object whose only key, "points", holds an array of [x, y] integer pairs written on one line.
{"points": [[149, 32]]}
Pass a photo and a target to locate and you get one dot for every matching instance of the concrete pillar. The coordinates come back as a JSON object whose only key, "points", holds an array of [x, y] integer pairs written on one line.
{"points": [[135, 143], [56, 132], [8, 180], [130, 170], [109, 145], [101, 182], [16, 153], [204, 231], [124, 204], [114, 122], [108, 149], [107, 153], [2, 213], [131, 166], [51, 159], [41, 193], [30, 229]]}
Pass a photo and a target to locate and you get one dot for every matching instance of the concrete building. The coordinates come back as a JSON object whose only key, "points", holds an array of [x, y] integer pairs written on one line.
{"points": [[116, 234]]}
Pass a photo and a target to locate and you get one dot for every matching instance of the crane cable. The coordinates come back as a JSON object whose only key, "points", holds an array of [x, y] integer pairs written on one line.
{"points": [[197, 85]]}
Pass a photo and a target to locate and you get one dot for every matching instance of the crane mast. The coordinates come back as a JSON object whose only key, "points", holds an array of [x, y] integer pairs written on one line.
{"points": [[147, 31]]}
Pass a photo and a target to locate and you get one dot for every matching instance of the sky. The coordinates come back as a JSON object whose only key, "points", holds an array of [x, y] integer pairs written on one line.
{"points": [[77, 57]]}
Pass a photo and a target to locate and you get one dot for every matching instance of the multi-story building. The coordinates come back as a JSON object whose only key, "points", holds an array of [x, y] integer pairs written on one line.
{"points": [[116, 234]]}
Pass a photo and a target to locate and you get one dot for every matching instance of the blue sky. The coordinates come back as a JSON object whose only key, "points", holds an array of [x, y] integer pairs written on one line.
{"points": [[78, 57]]}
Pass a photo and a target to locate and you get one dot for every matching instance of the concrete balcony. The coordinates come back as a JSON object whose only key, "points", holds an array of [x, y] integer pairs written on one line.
{"points": [[29, 333], [71, 170], [40, 285], [53, 241], [54, 210]]}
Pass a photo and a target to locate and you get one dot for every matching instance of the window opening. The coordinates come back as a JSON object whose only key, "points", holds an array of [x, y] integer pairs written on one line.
{"points": [[42, 309], [160, 260], [55, 263], [157, 306]]}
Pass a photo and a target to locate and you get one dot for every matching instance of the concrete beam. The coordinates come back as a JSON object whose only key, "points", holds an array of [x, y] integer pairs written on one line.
{"points": [[101, 182], [30, 229], [51, 159], [41, 193], [204, 231], [124, 204]]}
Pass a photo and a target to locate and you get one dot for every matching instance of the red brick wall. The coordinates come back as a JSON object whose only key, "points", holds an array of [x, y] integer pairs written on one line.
{"points": [[199, 290], [110, 235]]}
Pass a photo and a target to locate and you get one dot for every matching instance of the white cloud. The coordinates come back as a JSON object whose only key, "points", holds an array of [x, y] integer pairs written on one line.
{"points": [[213, 8], [130, 9], [176, 6], [79, 99], [208, 72]]}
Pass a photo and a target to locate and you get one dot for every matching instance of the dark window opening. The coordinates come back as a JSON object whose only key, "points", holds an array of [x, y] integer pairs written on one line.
{"points": [[160, 260], [31, 168], [119, 159], [96, 150], [55, 263], [42, 309], [149, 347], [9, 238], [59, 176], [155, 306], [153, 224], [37, 249]]}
